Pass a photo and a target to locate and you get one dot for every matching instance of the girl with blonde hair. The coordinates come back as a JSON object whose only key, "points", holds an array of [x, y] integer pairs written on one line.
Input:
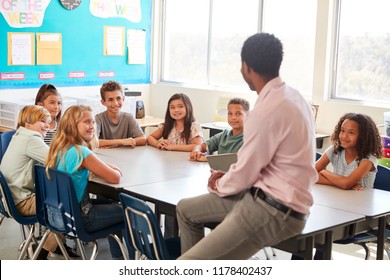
{"points": [[71, 152]]}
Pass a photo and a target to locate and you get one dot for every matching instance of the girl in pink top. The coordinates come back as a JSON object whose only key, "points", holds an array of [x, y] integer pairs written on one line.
{"points": [[179, 132]]}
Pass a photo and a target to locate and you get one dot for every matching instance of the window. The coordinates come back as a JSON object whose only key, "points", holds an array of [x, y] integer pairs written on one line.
{"points": [[232, 23], [185, 42], [203, 38], [294, 23], [363, 56]]}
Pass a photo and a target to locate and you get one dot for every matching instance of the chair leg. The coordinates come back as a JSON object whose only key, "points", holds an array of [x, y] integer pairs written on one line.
{"points": [[366, 249], [26, 242], [266, 253], [273, 252], [62, 246], [23, 232], [40, 245], [121, 246], [81, 248]]}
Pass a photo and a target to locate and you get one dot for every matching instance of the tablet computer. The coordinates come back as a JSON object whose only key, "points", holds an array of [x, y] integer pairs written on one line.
{"points": [[221, 162]]}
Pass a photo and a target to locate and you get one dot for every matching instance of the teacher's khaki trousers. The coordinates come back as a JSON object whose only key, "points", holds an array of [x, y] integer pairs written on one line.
{"points": [[246, 226]]}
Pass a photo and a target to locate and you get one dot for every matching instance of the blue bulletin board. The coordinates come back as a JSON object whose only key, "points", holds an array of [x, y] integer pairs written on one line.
{"points": [[83, 46]]}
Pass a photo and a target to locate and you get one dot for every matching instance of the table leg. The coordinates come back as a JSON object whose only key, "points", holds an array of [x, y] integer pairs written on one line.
{"points": [[381, 238], [328, 245], [309, 248]]}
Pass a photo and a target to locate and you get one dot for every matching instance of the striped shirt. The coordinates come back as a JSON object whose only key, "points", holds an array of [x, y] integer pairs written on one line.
{"points": [[342, 168], [50, 134]]}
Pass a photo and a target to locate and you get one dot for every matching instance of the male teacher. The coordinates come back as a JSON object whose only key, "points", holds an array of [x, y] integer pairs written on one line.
{"points": [[264, 198]]}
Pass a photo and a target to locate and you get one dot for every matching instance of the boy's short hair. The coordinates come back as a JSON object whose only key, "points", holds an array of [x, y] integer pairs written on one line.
{"points": [[110, 86], [240, 101], [32, 114]]}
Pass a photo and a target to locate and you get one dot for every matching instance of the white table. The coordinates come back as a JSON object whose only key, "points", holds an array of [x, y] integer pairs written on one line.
{"points": [[372, 203], [323, 224], [146, 164], [165, 177]]}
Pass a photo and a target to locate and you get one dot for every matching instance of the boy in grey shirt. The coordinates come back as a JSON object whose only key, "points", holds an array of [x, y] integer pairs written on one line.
{"points": [[113, 127]]}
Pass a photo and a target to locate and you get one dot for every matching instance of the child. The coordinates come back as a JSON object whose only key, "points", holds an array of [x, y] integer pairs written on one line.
{"points": [[115, 128], [229, 140], [71, 153], [50, 98], [179, 132], [356, 147], [26, 149]]}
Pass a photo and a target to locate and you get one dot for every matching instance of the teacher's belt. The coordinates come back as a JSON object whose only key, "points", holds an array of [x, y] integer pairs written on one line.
{"points": [[257, 192]]}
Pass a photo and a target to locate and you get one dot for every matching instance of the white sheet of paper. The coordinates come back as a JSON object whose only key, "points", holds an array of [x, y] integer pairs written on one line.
{"points": [[136, 46], [21, 49], [114, 41]]}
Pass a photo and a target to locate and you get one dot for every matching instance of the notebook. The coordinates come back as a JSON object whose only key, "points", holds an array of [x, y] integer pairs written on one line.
{"points": [[221, 162]]}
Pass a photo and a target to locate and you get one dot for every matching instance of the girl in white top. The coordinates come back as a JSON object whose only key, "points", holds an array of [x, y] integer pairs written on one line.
{"points": [[49, 98], [179, 132], [356, 147]]}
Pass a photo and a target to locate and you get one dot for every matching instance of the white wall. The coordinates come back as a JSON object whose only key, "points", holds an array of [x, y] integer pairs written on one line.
{"points": [[15, 95], [204, 101]]}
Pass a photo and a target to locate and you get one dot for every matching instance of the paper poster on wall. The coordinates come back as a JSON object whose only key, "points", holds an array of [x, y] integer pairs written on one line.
{"points": [[23, 13], [49, 48], [136, 43], [21, 48], [69, 48], [128, 9], [114, 38]]}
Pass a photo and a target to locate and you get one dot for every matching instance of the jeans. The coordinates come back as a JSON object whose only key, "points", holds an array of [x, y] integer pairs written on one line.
{"points": [[54, 216], [103, 214]]}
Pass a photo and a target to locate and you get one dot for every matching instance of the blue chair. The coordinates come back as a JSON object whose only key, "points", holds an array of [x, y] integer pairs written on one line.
{"points": [[5, 138], [143, 233], [318, 155], [8, 209], [56, 191], [382, 179], [382, 182]]}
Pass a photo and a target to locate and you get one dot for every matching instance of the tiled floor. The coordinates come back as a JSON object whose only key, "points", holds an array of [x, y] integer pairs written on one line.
{"points": [[10, 239]]}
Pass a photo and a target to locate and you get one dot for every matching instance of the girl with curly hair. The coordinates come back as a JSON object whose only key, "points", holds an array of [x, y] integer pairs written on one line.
{"points": [[356, 147]]}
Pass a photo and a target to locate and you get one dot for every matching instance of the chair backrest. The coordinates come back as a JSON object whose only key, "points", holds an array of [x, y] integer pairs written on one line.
{"points": [[3, 201], [142, 231], [382, 179], [318, 155], [56, 191], [5, 138], [8, 207]]}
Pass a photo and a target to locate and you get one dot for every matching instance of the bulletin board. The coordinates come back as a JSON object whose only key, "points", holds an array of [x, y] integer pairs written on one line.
{"points": [[70, 47]]}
